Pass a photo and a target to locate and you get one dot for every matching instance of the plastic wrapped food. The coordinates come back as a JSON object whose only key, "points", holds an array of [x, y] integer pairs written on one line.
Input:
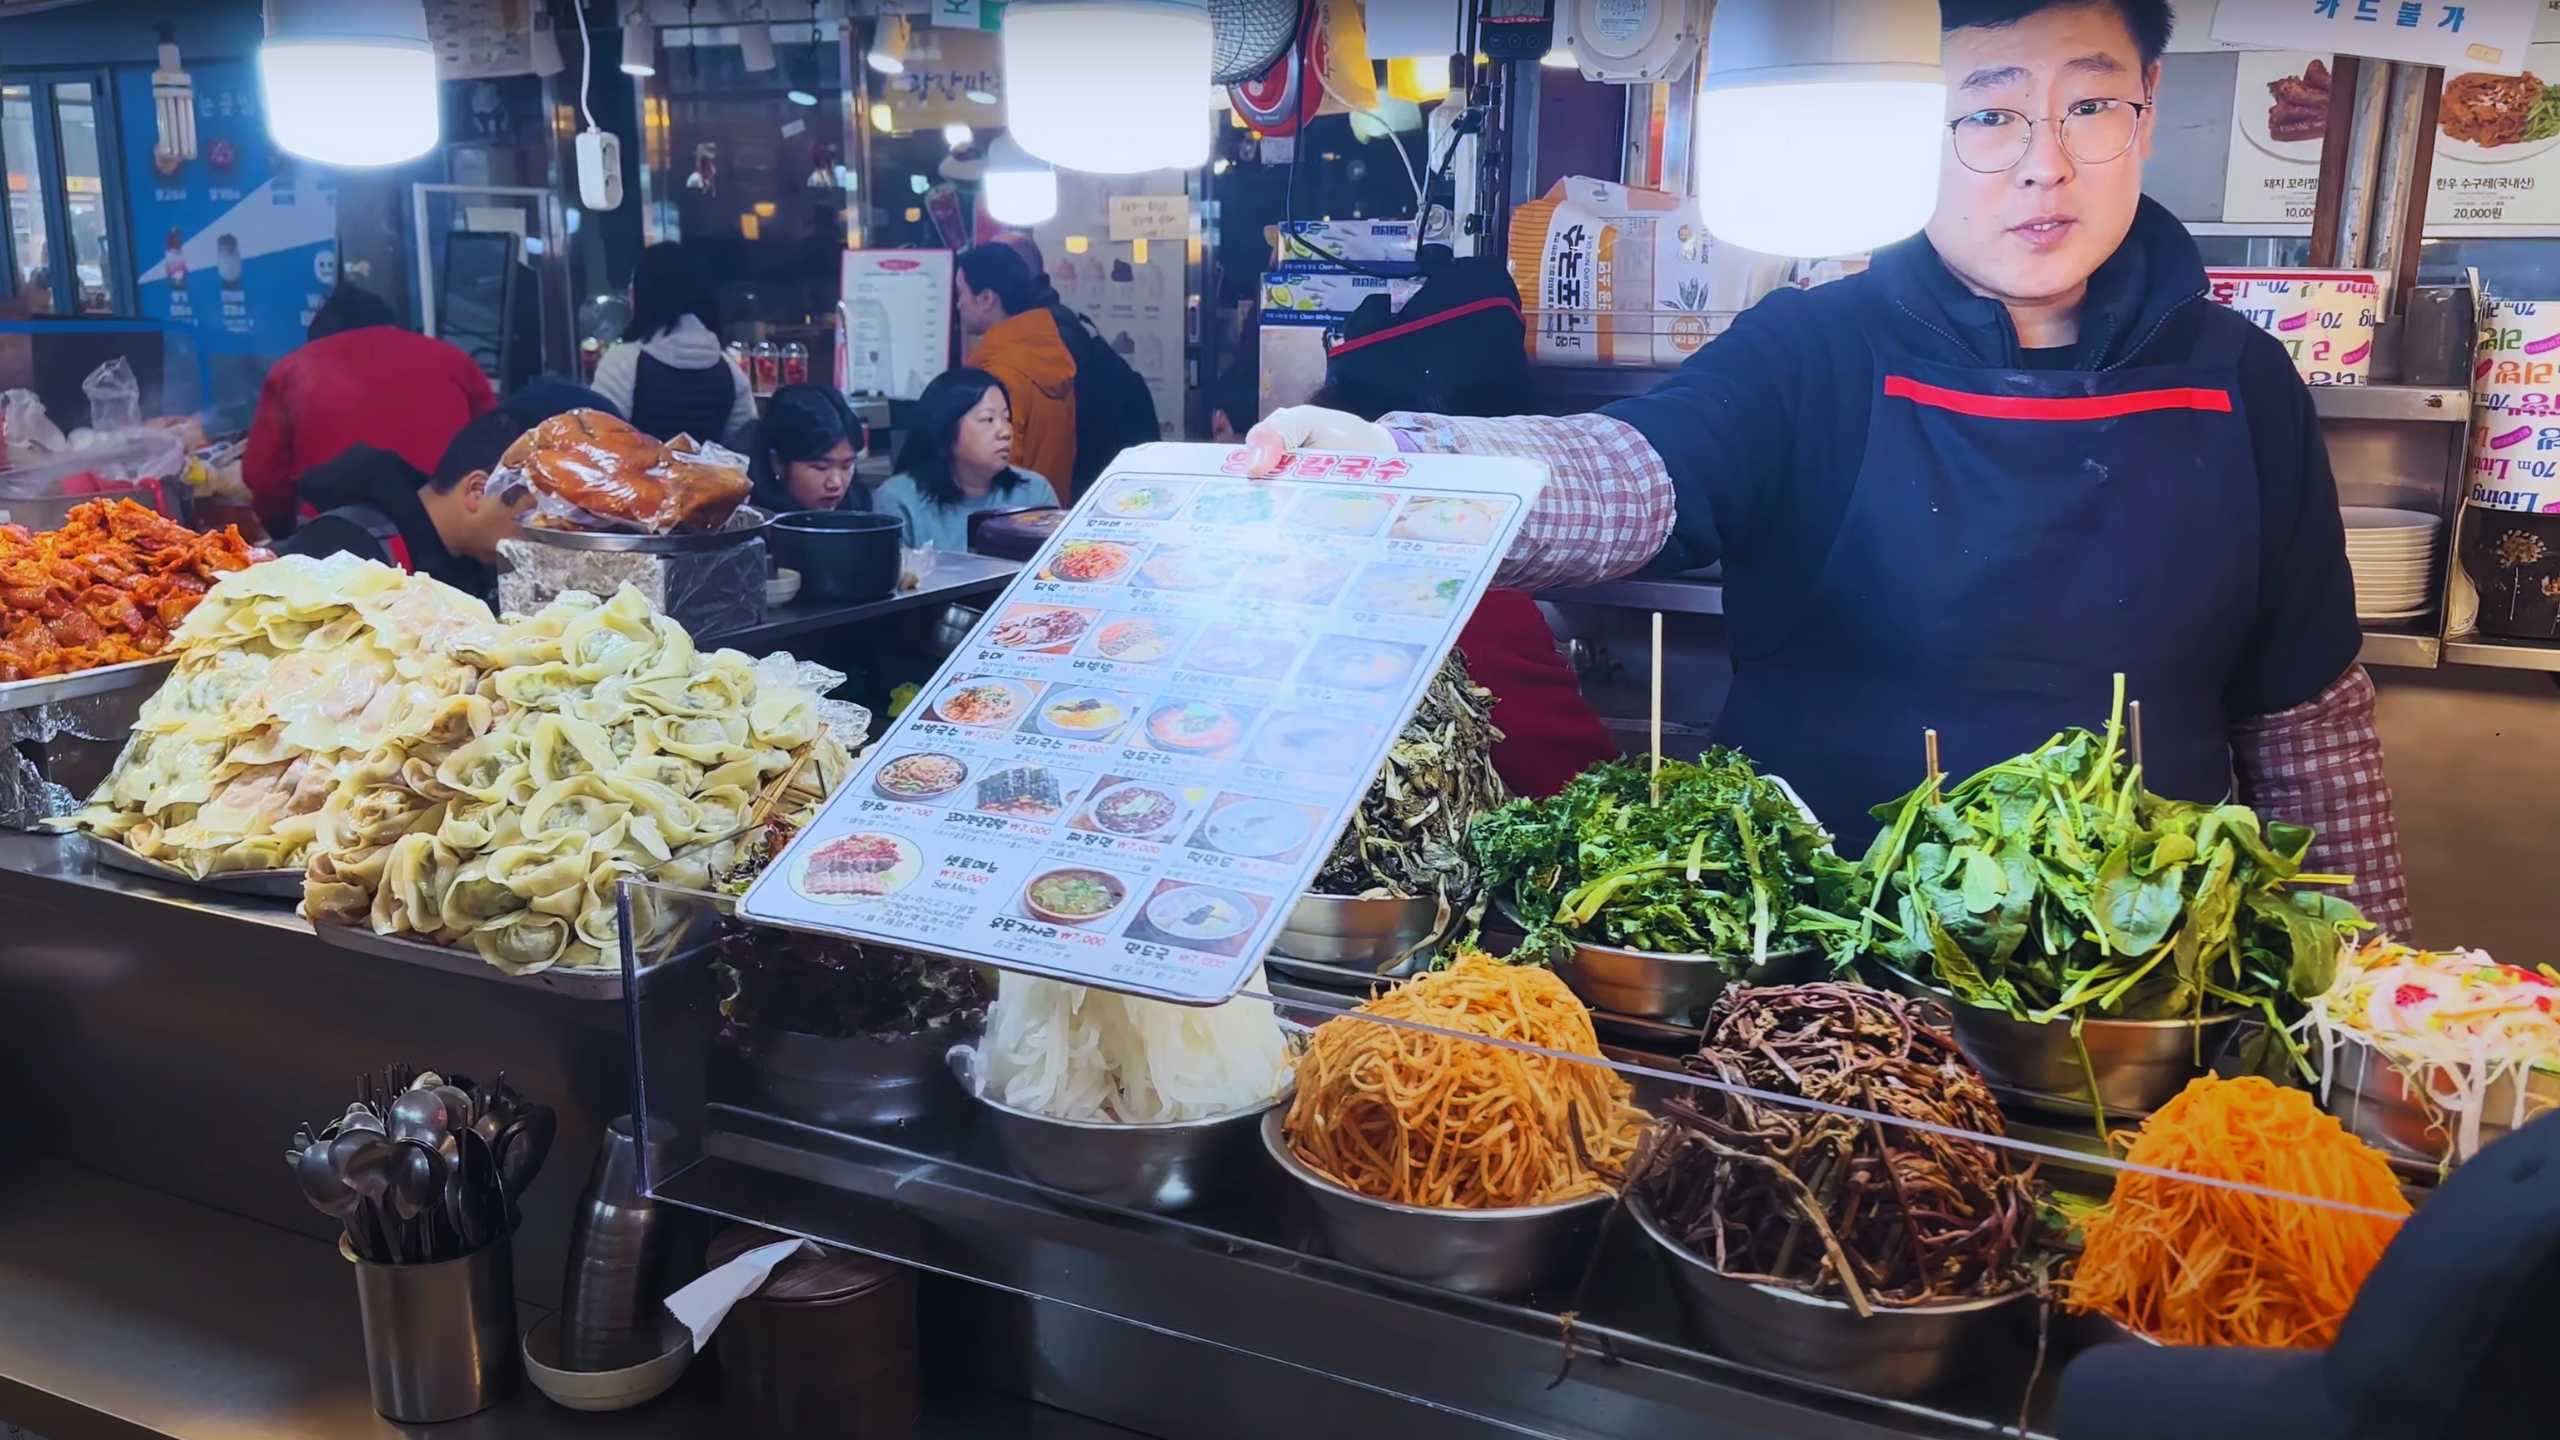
{"points": [[593, 471]]}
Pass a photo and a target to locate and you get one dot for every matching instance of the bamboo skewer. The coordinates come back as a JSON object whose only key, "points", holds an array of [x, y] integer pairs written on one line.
{"points": [[1656, 772]]}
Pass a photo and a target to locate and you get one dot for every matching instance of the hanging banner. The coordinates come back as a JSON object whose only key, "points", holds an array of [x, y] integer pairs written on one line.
{"points": [[2279, 118], [2485, 35]]}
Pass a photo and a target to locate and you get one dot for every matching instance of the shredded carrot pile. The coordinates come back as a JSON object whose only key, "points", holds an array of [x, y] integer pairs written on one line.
{"points": [[1423, 1119], [2190, 1264]]}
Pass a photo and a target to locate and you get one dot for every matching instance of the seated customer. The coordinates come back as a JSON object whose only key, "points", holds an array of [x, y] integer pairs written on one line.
{"points": [[957, 461], [446, 526], [803, 454]]}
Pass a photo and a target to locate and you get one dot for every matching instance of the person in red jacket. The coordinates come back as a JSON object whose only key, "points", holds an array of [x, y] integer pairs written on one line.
{"points": [[361, 380]]}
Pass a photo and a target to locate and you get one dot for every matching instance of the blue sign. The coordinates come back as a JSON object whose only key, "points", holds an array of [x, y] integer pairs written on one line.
{"points": [[237, 241]]}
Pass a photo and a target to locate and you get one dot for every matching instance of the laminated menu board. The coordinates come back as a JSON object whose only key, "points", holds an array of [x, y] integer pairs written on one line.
{"points": [[1139, 758]]}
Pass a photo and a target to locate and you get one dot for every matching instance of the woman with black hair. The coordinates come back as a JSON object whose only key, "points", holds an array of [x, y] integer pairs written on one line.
{"points": [[1004, 308], [669, 374], [957, 461], [804, 452]]}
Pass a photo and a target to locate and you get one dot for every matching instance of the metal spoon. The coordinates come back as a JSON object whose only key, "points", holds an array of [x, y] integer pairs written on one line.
{"points": [[328, 1194], [368, 1165], [523, 1148], [417, 1191], [421, 1116]]}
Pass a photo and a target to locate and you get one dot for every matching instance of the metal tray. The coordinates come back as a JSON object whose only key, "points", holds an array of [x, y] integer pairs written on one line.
{"points": [[745, 525], [273, 884], [576, 984], [27, 694]]}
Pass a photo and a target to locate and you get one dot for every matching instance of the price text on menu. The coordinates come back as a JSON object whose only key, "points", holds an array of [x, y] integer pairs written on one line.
{"points": [[1141, 755]]}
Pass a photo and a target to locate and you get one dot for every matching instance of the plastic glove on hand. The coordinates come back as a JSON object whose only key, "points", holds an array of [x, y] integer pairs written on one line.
{"points": [[1311, 427]]}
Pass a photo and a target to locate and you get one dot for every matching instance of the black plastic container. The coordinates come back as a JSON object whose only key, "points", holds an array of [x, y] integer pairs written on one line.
{"points": [[2514, 559], [840, 554]]}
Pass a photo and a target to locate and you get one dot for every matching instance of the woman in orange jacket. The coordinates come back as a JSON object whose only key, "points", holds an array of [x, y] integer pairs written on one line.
{"points": [[1004, 308]]}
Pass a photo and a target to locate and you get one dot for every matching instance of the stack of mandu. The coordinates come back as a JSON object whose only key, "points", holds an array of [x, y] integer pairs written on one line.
{"points": [[597, 744], [290, 672]]}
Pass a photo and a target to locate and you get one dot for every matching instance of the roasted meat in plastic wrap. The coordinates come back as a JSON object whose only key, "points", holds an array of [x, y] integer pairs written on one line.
{"points": [[105, 589], [603, 468]]}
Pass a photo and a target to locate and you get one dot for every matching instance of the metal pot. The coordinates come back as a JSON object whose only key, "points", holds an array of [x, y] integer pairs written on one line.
{"points": [[2375, 1101], [1367, 934], [1673, 987], [1894, 1353], [1161, 1167], [854, 1083], [1475, 1252], [2138, 1065], [840, 554]]}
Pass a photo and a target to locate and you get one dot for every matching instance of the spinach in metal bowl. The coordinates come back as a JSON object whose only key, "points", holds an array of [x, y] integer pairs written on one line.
{"points": [[1723, 864], [2054, 886]]}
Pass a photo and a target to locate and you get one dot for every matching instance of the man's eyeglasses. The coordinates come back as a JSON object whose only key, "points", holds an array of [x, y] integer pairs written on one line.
{"points": [[2093, 133]]}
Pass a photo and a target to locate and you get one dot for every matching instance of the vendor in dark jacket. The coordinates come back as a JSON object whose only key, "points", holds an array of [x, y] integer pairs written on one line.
{"points": [[446, 525], [2022, 452]]}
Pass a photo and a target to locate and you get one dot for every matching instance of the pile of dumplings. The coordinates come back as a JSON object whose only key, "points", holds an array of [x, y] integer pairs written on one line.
{"points": [[441, 774], [596, 744], [289, 672]]}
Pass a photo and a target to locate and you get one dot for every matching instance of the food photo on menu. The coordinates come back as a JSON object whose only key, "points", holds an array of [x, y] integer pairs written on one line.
{"points": [[1137, 639], [1343, 512], [1048, 629], [1197, 674], [1090, 562], [1094, 716], [1199, 729], [1183, 569], [1252, 827], [1133, 809], [1213, 918], [1148, 499]]}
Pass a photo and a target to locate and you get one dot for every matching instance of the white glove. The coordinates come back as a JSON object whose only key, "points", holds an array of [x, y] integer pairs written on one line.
{"points": [[1310, 427]]}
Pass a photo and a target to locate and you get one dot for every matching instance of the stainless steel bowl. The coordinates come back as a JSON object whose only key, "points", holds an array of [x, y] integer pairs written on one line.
{"points": [[1162, 1167], [2374, 1100], [2138, 1065], [856, 1083], [1371, 935], [1475, 1252], [1894, 1353], [744, 524], [2087, 1332], [1674, 987]]}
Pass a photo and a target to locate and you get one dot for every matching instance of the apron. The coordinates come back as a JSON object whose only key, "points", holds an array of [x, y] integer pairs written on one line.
{"points": [[669, 400], [2013, 539]]}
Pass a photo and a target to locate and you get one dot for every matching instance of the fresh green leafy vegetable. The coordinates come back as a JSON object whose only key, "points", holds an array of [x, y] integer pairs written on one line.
{"points": [[2053, 886], [1724, 864]]}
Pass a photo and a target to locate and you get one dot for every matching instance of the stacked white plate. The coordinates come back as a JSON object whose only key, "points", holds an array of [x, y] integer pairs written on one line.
{"points": [[2393, 556]]}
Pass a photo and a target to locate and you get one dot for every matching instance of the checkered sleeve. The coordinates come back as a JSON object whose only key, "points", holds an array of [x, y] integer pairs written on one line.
{"points": [[2320, 764], [1608, 504]]}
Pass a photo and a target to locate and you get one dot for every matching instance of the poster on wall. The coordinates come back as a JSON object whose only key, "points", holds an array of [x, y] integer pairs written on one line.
{"points": [[2497, 168], [1136, 292], [896, 330], [481, 39], [2279, 119], [237, 241]]}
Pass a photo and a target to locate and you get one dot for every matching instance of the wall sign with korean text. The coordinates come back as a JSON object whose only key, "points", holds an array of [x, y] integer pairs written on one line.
{"points": [[2487, 35], [1134, 765]]}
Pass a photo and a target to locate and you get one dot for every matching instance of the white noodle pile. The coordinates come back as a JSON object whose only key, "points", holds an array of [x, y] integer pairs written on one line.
{"points": [[1074, 1053]]}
